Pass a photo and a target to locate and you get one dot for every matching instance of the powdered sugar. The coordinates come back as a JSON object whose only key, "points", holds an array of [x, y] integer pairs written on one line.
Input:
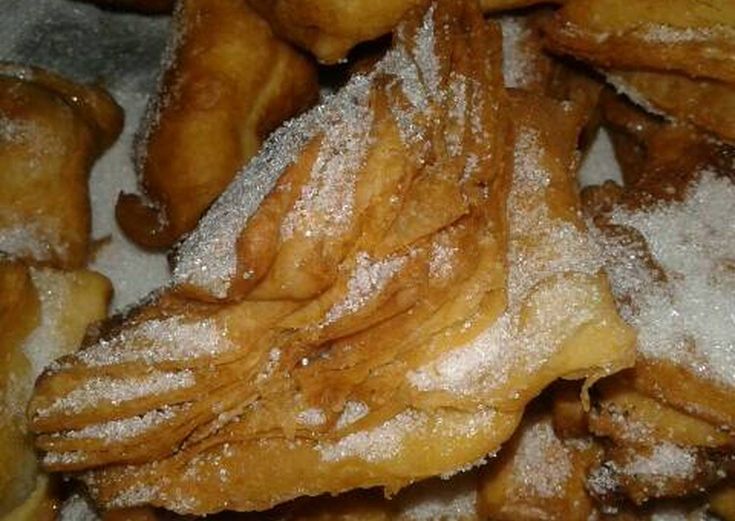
{"points": [[442, 258], [630, 92], [312, 417], [557, 246], [207, 257], [46, 341], [433, 500], [689, 319], [40, 241], [668, 34], [518, 66], [352, 412], [77, 508], [137, 494], [326, 203], [424, 53]]}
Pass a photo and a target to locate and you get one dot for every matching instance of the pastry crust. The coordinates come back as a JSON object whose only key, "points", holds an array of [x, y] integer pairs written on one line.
{"points": [[539, 475], [330, 29], [373, 302], [51, 132], [44, 314], [670, 419], [453, 499], [228, 81], [707, 104], [693, 38]]}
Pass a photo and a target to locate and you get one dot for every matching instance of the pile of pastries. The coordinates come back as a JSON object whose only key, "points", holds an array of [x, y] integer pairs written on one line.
{"points": [[389, 297]]}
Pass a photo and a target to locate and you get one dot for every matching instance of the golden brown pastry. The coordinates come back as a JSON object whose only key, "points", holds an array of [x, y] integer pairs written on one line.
{"points": [[228, 82], [650, 150], [452, 499], [669, 248], [329, 29], [722, 501], [43, 314], [694, 38], [707, 104], [51, 131], [41, 503], [568, 413], [371, 303], [539, 475], [655, 450], [527, 66]]}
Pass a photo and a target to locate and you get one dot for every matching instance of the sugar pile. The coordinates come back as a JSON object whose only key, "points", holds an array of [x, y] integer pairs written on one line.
{"points": [[690, 319]]}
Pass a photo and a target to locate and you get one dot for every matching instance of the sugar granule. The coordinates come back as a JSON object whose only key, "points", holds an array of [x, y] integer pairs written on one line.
{"points": [[368, 279], [380, 443], [101, 390], [689, 320], [159, 340], [542, 465]]}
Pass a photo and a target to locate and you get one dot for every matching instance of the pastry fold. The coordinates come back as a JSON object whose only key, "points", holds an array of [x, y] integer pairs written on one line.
{"points": [[654, 449], [227, 82], [453, 499], [372, 302], [707, 104], [330, 29], [51, 132], [539, 474], [693, 38], [669, 246], [672, 58], [44, 314]]}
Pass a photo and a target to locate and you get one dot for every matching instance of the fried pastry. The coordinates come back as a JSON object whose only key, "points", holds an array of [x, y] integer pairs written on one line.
{"points": [[43, 314], [669, 249], [539, 475], [372, 302], [693, 38], [51, 131], [330, 29], [707, 104], [655, 450], [527, 66], [722, 501], [227, 84], [650, 149], [451, 499]]}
